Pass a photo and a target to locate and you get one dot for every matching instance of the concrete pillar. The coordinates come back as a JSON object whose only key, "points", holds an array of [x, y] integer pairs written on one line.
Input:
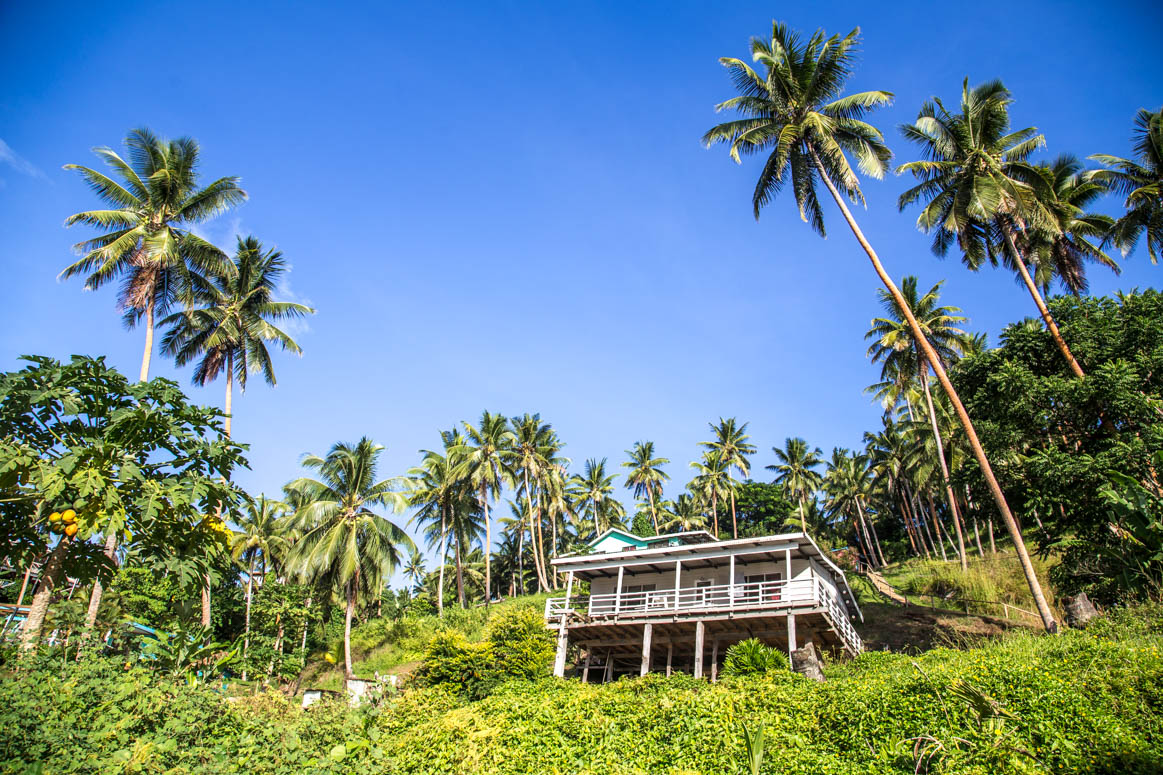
{"points": [[791, 634], [714, 660], [647, 631], [700, 635], [669, 658], [562, 647]]}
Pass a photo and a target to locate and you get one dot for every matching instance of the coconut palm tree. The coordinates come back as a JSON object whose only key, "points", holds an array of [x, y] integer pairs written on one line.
{"points": [[147, 242], [646, 475], [893, 343], [683, 515], [1141, 181], [414, 570], [437, 492], [594, 490], [487, 461], [711, 483], [796, 113], [259, 536], [795, 469], [534, 445], [1072, 237], [343, 538], [847, 484], [232, 319], [731, 445], [978, 188]]}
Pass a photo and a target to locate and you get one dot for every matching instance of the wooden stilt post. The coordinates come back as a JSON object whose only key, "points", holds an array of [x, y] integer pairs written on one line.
{"points": [[700, 634], [562, 648], [647, 631], [791, 634], [669, 658], [714, 660], [609, 671], [586, 669]]}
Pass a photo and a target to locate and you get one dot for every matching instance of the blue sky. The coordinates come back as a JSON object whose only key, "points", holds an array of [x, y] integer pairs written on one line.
{"points": [[505, 205]]}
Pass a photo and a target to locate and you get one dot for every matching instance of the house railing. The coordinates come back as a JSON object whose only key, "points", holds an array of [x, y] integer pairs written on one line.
{"points": [[717, 598]]}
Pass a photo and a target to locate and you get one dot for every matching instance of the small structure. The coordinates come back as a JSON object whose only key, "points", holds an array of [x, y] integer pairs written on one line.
{"points": [[676, 602]]}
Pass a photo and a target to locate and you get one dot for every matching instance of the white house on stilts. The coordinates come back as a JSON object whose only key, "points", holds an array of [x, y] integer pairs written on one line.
{"points": [[676, 602]]}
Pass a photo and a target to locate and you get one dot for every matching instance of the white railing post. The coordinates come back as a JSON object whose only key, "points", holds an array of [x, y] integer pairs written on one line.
{"points": [[568, 590], [731, 583], [618, 591], [677, 576]]}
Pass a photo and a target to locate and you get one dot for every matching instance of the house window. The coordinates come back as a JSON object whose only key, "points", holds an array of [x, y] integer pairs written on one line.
{"points": [[768, 587], [639, 588]]}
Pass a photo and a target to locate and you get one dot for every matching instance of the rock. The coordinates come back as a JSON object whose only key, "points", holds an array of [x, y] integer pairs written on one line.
{"points": [[1079, 611], [806, 661]]}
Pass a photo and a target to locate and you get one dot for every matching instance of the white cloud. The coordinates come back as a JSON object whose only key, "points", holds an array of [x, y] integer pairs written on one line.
{"points": [[283, 292], [18, 162]]}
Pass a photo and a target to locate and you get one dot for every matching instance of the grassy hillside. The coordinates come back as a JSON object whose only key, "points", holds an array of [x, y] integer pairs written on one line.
{"points": [[1082, 702]]}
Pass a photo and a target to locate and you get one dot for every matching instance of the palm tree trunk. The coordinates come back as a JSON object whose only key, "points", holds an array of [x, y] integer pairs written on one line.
{"points": [[653, 511], [459, 574], [443, 562], [534, 520], [49, 576], [734, 522], [864, 530], [995, 490], [1051, 326], [96, 594], [992, 545], [937, 526], [148, 340], [875, 538], [306, 622], [903, 503], [944, 466], [911, 519], [715, 511], [226, 405], [804, 514], [249, 595], [488, 545], [347, 671], [206, 601]]}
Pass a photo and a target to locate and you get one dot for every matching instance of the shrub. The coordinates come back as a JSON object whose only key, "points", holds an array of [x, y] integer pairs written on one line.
{"points": [[753, 657]]}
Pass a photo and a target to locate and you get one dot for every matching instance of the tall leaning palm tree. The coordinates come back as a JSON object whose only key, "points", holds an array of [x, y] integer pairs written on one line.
{"points": [[731, 445], [895, 346], [1140, 181], [487, 464], [534, 445], [795, 468], [231, 320], [147, 243], [343, 538], [646, 475], [436, 491], [978, 188], [795, 113]]}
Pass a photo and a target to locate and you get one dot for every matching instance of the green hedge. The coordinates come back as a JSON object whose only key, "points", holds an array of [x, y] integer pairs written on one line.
{"points": [[1082, 703]]}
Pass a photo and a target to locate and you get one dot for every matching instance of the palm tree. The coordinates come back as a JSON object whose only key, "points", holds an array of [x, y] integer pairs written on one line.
{"points": [[732, 447], [232, 319], [795, 111], [712, 481], [487, 463], [1141, 182], [684, 514], [979, 188], [534, 445], [414, 569], [1072, 236], [795, 469], [146, 241], [343, 539], [893, 342], [646, 475], [259, 535], [437, 492], [595, 490]]}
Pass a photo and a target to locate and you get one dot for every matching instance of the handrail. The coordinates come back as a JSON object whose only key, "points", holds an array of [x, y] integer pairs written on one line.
{"points": [[719, 597]]}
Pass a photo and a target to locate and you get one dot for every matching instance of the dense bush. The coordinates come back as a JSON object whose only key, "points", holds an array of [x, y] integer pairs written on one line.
{"points": [[1083, 702], [516, 645], [753, 657]]}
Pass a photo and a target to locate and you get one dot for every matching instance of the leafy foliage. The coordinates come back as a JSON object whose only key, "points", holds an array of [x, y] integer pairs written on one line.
{"points": [[753, 657]]}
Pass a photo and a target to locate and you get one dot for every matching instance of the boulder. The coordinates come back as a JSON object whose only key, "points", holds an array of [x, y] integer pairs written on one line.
{"points": [[1079, 610], [806, 661]]}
